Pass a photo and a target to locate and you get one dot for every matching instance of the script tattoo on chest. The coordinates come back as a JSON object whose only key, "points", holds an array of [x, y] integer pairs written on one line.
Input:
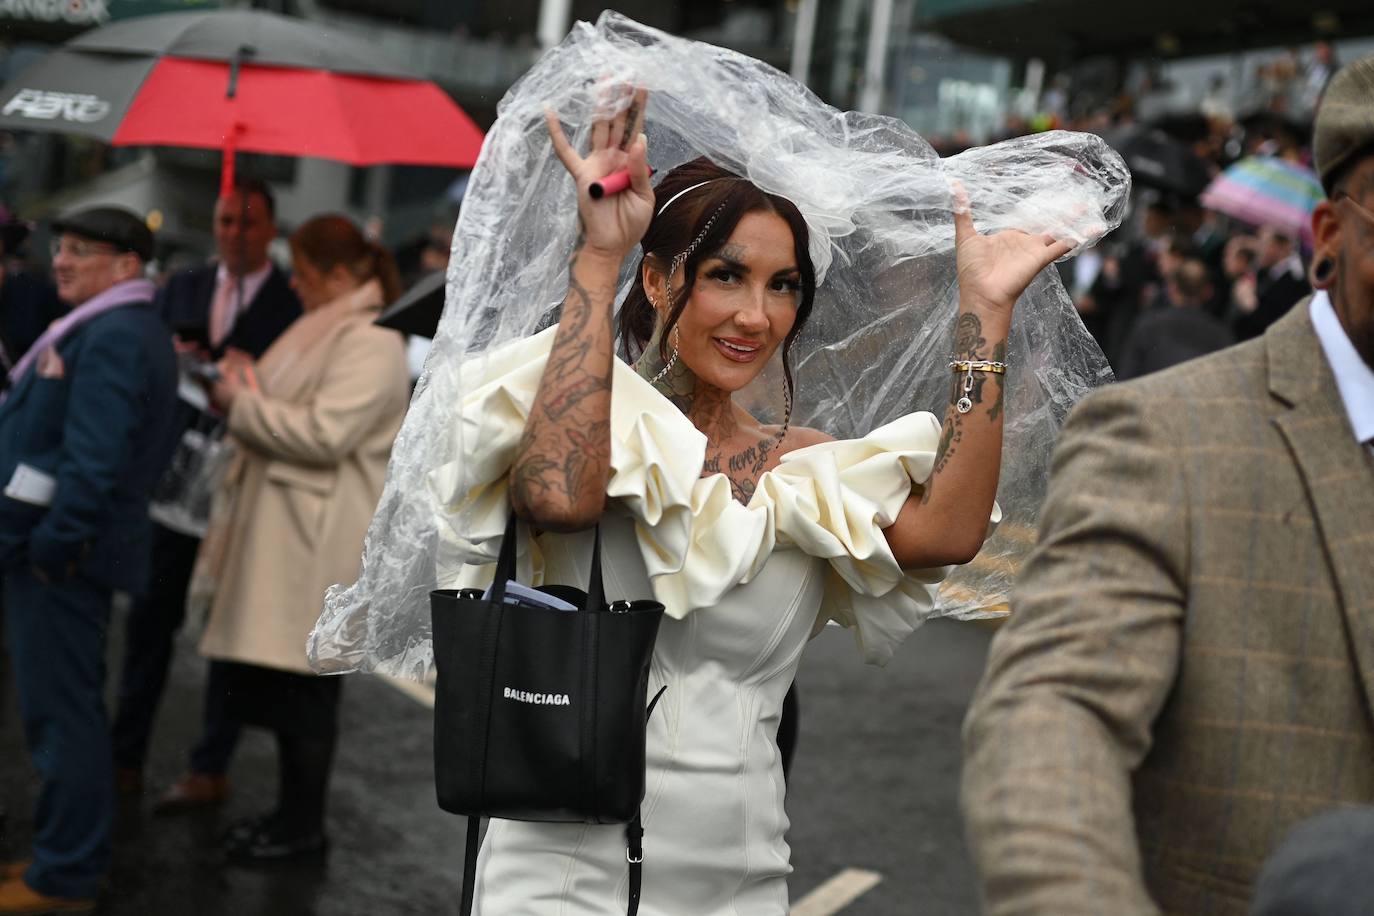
{"points": [[742, 468]]}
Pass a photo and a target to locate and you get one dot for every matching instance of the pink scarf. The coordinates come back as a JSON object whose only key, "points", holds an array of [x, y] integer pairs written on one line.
{"points": [[129, 291]]}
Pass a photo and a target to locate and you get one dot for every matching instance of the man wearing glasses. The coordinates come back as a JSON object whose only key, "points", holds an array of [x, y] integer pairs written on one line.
{"points": [[84, 432]]}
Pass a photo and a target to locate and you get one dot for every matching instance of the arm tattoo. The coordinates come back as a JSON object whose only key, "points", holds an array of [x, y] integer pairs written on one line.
{"points": [[950, 434], [999, 355], [968, 336], [567, 434], [969, 343]]}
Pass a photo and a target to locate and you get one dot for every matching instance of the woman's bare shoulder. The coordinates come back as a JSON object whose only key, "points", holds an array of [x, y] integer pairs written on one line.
{"points": [[801, 437]]}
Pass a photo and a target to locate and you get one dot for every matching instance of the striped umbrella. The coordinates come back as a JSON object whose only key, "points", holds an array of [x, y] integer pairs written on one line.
{"points": [[1266, 191]]}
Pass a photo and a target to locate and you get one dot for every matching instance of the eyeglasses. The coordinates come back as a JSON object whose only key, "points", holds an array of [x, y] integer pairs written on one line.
{"points": [[80, 249]]}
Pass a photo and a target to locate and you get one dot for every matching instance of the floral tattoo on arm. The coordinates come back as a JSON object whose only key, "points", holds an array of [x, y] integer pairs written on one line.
{"points": [[564, 434]]}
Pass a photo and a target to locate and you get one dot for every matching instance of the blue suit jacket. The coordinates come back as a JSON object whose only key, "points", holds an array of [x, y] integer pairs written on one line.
{"points": [[104, 431], [28, 304]]}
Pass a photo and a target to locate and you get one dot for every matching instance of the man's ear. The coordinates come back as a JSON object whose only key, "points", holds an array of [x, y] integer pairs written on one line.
{"points": [[130, 267], [1326, 230]]}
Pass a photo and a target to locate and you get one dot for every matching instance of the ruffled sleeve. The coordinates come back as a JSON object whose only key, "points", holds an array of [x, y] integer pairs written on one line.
{"points": [[833, 501], [656, 458]]}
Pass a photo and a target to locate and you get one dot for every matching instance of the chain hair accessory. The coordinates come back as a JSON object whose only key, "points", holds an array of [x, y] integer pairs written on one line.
{"points": [[968, 367], [787, 409], [683, 255], [672, 360]]}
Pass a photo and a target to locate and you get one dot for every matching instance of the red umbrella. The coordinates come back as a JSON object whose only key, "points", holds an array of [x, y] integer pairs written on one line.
{"points": [[240, 80]]}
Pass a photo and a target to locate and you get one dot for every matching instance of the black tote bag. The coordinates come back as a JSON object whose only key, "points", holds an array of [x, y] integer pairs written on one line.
{"points": [[540, 714]]}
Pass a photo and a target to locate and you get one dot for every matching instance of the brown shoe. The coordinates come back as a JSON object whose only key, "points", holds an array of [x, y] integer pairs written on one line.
{"points": [[11, 870], [18, 899], [129, 781], [192, 791]]}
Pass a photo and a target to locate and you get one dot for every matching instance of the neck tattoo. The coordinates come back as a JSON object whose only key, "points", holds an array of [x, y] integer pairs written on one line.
{"points": [[712, 411]]}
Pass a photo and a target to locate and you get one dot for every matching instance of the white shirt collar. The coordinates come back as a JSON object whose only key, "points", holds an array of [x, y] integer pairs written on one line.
{"points": [[252, 284], [1291, 265], [1354, 377]]}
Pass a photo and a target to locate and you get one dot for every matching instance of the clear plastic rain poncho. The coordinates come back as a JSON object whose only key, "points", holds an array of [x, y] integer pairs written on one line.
{"points": [[879, 205]]}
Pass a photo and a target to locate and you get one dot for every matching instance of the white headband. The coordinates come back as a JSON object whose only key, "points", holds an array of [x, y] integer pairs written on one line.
{"points": [[819, 246], [699, 184]]}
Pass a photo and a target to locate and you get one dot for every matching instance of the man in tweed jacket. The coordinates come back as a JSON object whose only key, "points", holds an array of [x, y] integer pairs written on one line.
{"points": [[1188, 669]]}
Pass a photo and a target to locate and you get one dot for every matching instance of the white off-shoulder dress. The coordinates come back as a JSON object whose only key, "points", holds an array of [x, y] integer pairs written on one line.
{"points": [[744, 586]]}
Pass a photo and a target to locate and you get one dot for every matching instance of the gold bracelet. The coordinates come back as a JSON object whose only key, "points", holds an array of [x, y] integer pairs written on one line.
{"points": [[968, 367], [978, 365]]}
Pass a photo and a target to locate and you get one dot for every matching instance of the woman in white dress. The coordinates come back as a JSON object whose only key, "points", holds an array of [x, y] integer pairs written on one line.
{"points": [[752, 534]]}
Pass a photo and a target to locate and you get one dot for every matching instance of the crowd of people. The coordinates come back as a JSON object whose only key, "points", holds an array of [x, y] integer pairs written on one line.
{"points": [[1183, 677], [285, 378], [1253, 272]]}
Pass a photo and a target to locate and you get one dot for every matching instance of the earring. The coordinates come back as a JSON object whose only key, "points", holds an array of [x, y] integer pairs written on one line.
{"points": [[1323, 269], [677, 339]]}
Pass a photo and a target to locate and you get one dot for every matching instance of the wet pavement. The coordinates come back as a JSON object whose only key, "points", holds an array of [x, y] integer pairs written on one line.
{"points": [[874, 787]]}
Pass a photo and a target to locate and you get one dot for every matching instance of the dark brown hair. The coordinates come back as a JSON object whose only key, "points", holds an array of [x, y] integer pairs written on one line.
{"points": [[332, 239], [722, 203]]}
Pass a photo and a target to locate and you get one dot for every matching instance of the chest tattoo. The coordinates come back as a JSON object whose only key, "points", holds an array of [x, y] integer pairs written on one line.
{"points": [[742, 467]]}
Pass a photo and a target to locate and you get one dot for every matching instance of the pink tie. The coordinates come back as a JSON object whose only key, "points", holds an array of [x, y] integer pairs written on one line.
{"points": [[222, 311]]}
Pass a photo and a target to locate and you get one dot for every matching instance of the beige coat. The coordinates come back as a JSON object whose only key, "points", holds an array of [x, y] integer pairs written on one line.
{"points": [[1189, 664], [313, 452]]}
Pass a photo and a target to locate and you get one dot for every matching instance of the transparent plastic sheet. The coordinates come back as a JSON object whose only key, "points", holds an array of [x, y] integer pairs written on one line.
{"points": [[878, 201]]}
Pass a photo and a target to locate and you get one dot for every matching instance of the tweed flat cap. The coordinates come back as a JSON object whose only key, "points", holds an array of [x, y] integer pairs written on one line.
{"points": [[1345, 120]]}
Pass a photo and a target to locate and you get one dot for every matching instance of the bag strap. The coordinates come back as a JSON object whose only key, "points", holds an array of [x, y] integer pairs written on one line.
{"points": [[486, 675], [588, 626], [505, 560], [491, 638], [634, 837], [596, 592], [469, 866]]}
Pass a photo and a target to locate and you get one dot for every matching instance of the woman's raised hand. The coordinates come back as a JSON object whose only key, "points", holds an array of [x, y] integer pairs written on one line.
{"points": [[994, 270], [615, 223]]}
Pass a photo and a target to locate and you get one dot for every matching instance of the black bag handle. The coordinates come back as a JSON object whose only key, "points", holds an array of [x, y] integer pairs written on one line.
{"points": [[505, 560], [596, 593], [505, 566]]}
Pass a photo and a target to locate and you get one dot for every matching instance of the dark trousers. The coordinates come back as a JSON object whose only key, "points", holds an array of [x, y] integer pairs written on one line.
{"points": [[302, 711], [153, 623], [56, 637]]}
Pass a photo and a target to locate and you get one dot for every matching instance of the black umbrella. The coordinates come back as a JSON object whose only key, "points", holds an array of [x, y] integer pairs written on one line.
{"points": [[1159, 161], [418, 309], [1265, 123], [1185, 126]]}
